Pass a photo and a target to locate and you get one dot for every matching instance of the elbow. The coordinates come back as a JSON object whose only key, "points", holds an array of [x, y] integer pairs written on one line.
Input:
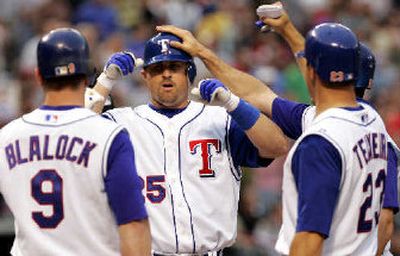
{"points": [[276, 149]]}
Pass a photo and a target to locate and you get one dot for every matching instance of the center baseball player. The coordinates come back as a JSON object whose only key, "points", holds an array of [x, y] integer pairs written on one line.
{"points": [[189, 154]]}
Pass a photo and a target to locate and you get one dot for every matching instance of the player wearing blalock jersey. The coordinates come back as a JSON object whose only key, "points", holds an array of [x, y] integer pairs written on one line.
{"points": [[59, 179], [189, 154]]}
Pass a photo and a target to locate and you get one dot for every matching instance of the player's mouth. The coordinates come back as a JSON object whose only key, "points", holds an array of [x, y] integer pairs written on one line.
{"points": [[167, 86]]}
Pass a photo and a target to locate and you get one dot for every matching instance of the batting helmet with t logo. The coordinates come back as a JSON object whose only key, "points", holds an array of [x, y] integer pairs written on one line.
{"points": [[158, 49]]}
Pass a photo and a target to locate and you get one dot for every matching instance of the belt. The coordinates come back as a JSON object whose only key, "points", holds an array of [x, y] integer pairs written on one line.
{"points": [[213, 253]]}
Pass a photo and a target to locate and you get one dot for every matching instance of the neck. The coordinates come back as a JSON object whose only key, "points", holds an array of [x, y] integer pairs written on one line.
{"points": [[160, 105], [328, 97], [64, 97]]}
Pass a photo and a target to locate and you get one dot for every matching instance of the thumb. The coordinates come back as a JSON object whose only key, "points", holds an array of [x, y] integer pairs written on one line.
{"points": [[221, 94], [195, 94]]}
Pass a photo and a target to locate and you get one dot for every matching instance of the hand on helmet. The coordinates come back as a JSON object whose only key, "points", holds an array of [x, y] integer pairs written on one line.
{"points": [[213, 92]]}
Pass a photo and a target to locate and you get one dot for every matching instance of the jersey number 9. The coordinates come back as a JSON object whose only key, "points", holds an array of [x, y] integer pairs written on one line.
{"points": [[46, 189]]}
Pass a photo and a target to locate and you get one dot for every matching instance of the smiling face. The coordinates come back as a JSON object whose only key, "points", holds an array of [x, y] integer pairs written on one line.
{"points": [[168, 84]]}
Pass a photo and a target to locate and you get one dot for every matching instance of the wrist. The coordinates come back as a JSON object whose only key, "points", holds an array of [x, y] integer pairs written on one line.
{"points": [[294, 38], [106, 82], [204, 53], [245, 115], [232, 103]]}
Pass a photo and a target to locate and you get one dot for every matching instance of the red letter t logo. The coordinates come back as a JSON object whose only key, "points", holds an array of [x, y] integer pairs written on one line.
{"points": [[205, 145]]}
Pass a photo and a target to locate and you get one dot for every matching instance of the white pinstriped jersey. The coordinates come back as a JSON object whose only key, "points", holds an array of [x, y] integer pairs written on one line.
{"points": [[52, 166], [191, 185], [360, 138]]}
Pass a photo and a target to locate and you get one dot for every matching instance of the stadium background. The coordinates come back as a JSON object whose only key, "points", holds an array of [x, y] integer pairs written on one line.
{"points": [[226, 26]]}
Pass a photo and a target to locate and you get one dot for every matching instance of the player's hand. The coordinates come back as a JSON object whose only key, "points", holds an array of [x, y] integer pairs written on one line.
{"points": [[279, 24], [121, 64], [189, 43], [213, 92]]}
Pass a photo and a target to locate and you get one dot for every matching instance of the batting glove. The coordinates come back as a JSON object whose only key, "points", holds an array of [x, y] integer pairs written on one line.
{"points": [[92, 98], [118, 65], [213, 92]]}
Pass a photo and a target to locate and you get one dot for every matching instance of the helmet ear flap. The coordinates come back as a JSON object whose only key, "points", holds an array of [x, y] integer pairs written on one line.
{"points": [[366, 68], [191, 71]]}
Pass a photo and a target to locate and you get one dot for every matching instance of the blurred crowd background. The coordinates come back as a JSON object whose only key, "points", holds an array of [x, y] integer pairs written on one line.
{"points": [[226, 26]]}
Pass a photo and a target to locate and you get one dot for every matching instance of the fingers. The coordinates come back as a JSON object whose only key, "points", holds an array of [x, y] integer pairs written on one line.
{"points": [[209, 87], [177, 45], [181, 33], [124, 61], [172, 29], [276, 22], [202, 87], [137, 62]]}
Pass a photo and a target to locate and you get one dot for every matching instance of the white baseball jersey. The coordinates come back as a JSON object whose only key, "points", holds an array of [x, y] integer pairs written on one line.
{"points": [[191, 185], [52, 167], [360, 138]]}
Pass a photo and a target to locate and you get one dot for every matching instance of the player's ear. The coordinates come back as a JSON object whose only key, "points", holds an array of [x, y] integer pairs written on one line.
{"points": [[38, 76], [145, 75]]}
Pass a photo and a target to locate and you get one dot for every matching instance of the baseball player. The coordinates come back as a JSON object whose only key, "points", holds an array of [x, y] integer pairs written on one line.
{"points": [[73, 190], [342, 139], [189, 154], [294, 117]]}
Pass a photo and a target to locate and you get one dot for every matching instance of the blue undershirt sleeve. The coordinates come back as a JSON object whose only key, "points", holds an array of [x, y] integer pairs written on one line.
{"points": [[288, 116], [317, 168], [391, 193], [242, 150], [122, 183]]}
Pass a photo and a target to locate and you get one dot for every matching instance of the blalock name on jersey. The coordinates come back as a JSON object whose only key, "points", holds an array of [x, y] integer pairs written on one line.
{"points": [[73, 149]]}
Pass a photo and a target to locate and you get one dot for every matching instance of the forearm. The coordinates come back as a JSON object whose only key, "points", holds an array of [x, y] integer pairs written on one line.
{"points": [[99, 104], [268, 138], [306, 243], [244, 85], [135, 238], [296, 43], [385, 229]]}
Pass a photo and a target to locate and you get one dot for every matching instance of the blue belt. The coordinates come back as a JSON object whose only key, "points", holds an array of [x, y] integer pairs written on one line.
{"points": [[215, 253]]}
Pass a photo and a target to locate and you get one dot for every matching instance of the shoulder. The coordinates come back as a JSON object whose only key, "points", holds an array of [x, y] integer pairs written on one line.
{"points": [[117, 113], [121, 111], [11, 128]]}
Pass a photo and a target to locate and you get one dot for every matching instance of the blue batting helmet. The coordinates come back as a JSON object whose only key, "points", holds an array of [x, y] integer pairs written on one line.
{"points": [[366, 68], [333, 51], [157, 49], [63, 52]]}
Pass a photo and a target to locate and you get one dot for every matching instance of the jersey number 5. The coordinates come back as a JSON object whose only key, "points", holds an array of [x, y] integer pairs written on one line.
{"points": [[46, 189], [155, 190], [364, 224]]}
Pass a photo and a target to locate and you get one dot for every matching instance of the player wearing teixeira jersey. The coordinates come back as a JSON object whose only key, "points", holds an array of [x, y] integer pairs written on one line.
{"points": [[189, 154], [72, 189], [282, 110]]}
